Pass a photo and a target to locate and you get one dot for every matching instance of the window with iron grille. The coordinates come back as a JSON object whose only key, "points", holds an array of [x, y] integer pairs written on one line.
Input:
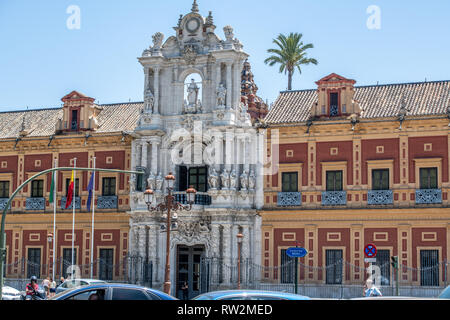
{"points": [[380, 179], [334, 104], [109, 187], [383, 262], [77, 186], [334, 181], [37, 188], [428, 178], [106, 264], [289, 182], [287, 266], [429, 268], [34, 262], [4, 189], [334, 266]]}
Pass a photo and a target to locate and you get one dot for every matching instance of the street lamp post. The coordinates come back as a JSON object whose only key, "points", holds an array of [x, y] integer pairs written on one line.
{"points": [[239, 236], [50, 240], [168, 205]]}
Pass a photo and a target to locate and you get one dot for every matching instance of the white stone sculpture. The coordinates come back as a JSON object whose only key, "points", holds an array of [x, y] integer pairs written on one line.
{"points": [[159, 182], [252, 180], [192, 103], [244, 180], [157, 40], [225, 177], [233, 180], [149, 101], [221, 95], [213, 180], [151, 181]]}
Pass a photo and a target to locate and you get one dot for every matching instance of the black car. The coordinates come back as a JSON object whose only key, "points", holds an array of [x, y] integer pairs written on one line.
{"points": [[112, 291]]}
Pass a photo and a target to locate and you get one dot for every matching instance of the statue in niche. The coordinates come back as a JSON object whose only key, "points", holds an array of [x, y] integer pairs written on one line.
{"points": [[132, 183], [252, 180], [225, 177], [244, 180], [233, 180], [149, 101], [213, 180], [159, 182], [192, 104], [221, 95]]}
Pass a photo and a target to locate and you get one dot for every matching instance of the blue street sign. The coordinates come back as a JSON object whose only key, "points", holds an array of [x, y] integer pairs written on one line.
{"points": [[296, 252]]}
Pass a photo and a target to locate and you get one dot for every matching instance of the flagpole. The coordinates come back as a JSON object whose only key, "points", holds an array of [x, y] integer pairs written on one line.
{"points": [[54, 221], [92, 231], [73, 212]]}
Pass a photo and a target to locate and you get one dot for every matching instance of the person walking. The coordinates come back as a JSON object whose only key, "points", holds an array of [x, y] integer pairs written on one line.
{"points": [[46, 286], [52, 287], [371, 290], [61, 281], [185, 289]]}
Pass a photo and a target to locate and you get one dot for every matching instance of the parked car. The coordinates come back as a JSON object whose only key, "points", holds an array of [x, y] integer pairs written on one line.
{"points": [[9, 293], [445, 294], [112, 291], [249, 295], [69, 284]]}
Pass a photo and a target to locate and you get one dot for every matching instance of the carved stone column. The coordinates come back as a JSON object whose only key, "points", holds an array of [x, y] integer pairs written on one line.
{"points": [[144, 154], [154, 162], [156, 85], [229, 154], [229, 85]]}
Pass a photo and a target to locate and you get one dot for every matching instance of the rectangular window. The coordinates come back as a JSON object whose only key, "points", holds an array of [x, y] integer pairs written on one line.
{"points": [[34, 262], [289, 182], [74, 124], [109, 187], [106, 264], [67, 260], [4, 189], [287, 268], [37, 188], [380, 179], [198, 178], [429, 268], [334, 104], [334, 181], [334, 266], [428, 178], [77, 186], [182, 178], [383, 262]]}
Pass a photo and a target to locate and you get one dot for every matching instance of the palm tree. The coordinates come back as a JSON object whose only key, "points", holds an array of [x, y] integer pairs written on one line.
{"points": [[291, 54]]}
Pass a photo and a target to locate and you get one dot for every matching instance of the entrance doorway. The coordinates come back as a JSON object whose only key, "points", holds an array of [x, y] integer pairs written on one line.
{"points": [[188, 269]]}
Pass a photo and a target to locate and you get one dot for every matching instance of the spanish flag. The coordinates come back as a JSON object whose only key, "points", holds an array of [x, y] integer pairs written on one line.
{"points": [[70, 192]]}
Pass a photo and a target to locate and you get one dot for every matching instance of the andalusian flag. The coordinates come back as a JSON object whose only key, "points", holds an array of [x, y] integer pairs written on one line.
{"points": [[52, 188], [70, 192]]}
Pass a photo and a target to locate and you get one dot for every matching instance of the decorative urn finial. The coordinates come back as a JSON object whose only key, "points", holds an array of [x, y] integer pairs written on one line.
{"points": [[195, 7]]}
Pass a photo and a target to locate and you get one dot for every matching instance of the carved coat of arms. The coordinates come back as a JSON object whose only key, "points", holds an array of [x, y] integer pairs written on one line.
{"points": [[189, 54]]}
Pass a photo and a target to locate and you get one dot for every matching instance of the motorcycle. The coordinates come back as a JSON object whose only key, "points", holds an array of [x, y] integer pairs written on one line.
{"points": [[37, 295]]}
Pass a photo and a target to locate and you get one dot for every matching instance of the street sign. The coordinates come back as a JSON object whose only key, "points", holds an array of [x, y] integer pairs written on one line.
{"points": [[295, 252], [370, 251], [370, 260]]}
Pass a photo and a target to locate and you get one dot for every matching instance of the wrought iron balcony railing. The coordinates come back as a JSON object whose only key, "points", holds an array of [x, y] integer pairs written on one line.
{"points": [[289, 199], [334, 198], [35, 204], [379, 197], [107, 202], [3, 203], [202, 199], [428, 196], [77, 203], [334, 111]]}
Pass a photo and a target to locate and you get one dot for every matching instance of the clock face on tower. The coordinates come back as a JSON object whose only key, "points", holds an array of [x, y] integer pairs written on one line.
{"points": [[192, 25]]}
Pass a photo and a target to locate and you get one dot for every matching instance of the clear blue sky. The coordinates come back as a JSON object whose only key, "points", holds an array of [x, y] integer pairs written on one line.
{"points": [[42, 60]]}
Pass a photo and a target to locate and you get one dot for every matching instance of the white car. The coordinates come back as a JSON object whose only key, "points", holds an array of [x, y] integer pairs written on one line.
{"points": [[10, 293]]}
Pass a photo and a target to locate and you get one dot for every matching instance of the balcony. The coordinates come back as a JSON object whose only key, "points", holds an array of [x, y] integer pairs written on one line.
{"points": [[334, 198], [77, 203], [107, 202], [201, 199], [33, 204], [3, 203], [380, 197], [428, 196], [289, 199]]}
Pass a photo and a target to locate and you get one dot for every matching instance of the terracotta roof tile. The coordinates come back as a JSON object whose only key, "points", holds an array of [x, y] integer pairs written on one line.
{"points": [[378, 101]]}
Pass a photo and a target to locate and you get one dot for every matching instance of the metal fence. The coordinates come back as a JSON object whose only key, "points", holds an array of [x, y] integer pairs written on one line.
{"points": [[130, 269], [339, 280]]}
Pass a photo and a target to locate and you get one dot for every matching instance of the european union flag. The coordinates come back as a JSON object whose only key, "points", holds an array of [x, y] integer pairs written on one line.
{"points": [[90, 189]]}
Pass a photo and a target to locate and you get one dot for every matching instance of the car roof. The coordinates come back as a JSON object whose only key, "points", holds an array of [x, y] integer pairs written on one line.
{"points": [[218, 294], [107, 285]]}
